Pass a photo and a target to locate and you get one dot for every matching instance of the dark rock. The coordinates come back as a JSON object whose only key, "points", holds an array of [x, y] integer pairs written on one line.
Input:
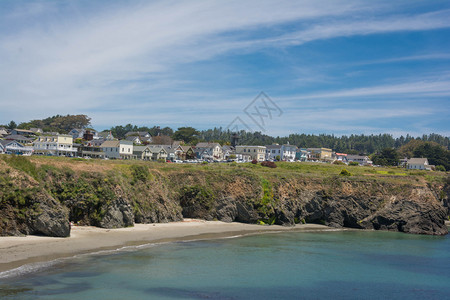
{"points": [[118, 214], [51, 219], [226, 209]]}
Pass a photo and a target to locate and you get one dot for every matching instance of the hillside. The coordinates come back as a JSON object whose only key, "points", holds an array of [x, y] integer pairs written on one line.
{"points": [[40, 195]]}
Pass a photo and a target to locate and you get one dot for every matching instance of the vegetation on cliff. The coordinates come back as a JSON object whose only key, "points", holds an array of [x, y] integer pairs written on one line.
{"points": [[40, 195]]}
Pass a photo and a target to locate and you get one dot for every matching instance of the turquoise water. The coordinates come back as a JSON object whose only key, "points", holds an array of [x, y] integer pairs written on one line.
{"points": [[321, 265]]}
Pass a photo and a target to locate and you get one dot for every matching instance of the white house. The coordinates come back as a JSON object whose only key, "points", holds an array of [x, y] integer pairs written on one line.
{"points": [[362, 160], [14, 147], [285, 152], [61, 145], [209, 150], [418, 164]]}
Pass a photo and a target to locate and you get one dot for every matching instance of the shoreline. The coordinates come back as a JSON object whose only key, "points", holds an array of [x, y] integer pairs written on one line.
{"points": [[19, 251]]}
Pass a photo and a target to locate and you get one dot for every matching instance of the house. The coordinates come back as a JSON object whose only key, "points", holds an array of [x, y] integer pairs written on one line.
{"points": [[289, 152], [320, 153], [253, 152], [82, 133], [3, 131], [209, 150], [227, 151], [362, 160], [90, 149], [144, 136], [184, 152], [19, 138], [14, 147], [111, 149], [142, 152], [126, 149], [159, 153], [284, 152], [37, 130], [302, 154], [418, 164], [340, 157], [134, 139], [105, 135], [273, 152], [60, 145]]}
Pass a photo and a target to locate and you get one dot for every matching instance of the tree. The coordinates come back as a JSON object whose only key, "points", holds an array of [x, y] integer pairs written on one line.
{"points": [[186, 134], [12, 125], [436, 154], [387, 157]]}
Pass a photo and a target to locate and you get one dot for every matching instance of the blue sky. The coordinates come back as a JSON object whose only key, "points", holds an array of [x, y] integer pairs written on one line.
{"points": [[341, 67]]}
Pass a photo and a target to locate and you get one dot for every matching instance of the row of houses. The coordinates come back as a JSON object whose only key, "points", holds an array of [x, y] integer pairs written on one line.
{"points": [[136, 145]]}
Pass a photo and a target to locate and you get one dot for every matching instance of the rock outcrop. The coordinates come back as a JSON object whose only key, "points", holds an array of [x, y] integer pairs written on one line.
{"points": [[118, 214]]}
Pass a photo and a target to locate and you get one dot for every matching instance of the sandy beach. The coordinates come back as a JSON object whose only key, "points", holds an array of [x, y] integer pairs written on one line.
{"points": [[18, 251]]}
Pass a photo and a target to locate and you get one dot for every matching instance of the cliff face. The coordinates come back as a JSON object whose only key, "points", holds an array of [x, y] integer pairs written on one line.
{"points": [[43, 198]]}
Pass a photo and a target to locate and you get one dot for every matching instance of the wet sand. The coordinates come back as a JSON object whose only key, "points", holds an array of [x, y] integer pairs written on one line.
{"points": [[18, 251]]}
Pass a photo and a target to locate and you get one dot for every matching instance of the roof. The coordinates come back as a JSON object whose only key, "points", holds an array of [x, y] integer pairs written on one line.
{"points": [[18, 137], [110, 144], [125, 142], [139, 148], [207, 145], [158, 149], [418, 161], [273, 146], [132, 138], [6, 142], [24, 131], [357, 156]]}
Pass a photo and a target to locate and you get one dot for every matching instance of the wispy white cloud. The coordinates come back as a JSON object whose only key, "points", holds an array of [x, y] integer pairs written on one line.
{"points": [[430, 89], [123, 62]]}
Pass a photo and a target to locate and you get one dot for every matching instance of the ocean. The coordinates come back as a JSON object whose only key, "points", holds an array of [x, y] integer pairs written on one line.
{"points": [[288, 265]]}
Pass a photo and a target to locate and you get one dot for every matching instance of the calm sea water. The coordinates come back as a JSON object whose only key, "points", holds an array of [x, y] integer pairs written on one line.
{"points": [[321, 265]]}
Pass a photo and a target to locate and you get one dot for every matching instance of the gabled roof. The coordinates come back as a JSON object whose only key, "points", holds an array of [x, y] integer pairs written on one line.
{"points": [[158, 149], [139, 148], [132, 138], [418, 161], [110, 144]]}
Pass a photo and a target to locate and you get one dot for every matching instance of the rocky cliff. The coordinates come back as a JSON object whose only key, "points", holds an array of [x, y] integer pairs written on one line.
{"points": [[42, 197]]}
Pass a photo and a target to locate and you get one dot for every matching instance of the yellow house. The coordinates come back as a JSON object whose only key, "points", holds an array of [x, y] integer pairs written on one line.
{"points": [[61, 145], [320, 153]]}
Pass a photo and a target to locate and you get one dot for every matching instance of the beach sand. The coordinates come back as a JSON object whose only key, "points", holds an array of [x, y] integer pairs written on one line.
{"points": [[18, 251]]}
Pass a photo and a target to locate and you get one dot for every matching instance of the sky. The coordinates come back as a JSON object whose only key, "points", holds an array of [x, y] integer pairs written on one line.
{"points": [[279, 67]]}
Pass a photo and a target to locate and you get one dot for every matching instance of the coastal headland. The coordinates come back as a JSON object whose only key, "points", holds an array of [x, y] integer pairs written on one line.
{"points": [[43, 195]]}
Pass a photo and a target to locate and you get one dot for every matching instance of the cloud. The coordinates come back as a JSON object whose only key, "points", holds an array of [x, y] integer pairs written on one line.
{"points": [[124, 61]]}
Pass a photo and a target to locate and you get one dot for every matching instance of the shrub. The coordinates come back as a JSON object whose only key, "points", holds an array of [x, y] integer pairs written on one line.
{"points": [[440, 168], [269, 164], [353, 163], [338, 162], [255, 162], [140, 173], [161, 160], [344, 172]]}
